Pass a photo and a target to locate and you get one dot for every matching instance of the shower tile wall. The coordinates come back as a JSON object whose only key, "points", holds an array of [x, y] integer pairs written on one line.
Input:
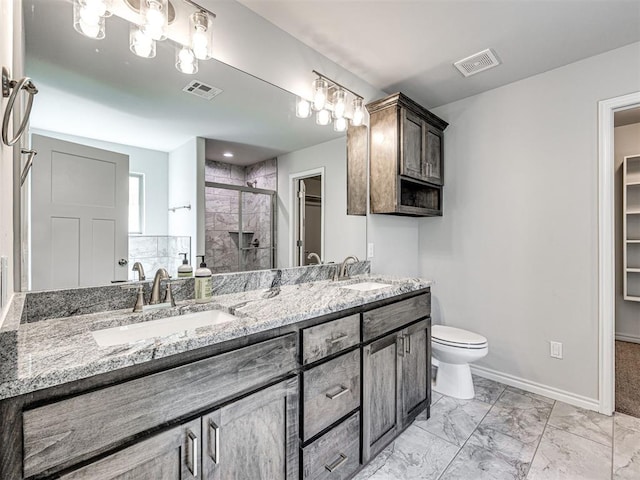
{"points": [[222, 216], [154, 252]]}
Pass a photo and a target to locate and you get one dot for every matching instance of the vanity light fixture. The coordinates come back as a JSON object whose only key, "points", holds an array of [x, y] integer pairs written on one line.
{"points": [[330, 99], [152, 21]]}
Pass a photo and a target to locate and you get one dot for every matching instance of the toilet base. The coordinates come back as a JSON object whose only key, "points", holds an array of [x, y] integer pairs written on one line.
{"points": [[454, 381]]}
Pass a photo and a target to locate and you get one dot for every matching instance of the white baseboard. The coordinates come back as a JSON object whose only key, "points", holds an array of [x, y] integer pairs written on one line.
{"points": [[628, 338], [529, 386]]}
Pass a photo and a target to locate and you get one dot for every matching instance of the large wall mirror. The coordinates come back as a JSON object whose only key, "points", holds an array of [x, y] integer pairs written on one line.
{"points": [[140, 162]]}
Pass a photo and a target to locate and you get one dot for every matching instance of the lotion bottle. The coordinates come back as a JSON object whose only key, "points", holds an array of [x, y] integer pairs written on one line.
{"points": [[203, 286], [185, 270]]}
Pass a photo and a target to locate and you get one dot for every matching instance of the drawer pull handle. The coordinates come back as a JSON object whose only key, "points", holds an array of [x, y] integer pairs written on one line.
{"points": [[343, 458], [339, 339], [215, 452], [333, 396], [193, 440]]}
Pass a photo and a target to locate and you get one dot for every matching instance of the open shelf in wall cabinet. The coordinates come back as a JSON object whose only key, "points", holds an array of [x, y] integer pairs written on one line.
{"points": [[631, 227]]}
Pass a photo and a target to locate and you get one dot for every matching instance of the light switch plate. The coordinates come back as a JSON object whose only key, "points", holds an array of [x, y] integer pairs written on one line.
{"points": [[555, 349], [369, 250]]}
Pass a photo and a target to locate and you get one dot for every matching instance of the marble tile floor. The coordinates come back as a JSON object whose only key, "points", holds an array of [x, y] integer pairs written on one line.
{"points": [[505, 433]]}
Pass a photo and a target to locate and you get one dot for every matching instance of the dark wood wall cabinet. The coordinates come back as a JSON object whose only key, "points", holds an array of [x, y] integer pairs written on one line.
{"points": [[406, 170], [311, 401]]}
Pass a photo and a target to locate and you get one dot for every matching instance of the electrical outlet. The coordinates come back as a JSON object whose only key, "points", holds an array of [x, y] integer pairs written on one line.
{"points": [[369, 250], [555, 349]]}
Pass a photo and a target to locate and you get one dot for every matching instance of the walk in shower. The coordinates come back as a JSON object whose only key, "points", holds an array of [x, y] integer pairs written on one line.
{"points": [[239, 227]]}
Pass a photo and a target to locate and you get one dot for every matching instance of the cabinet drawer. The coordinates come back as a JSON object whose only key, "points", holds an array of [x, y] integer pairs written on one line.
{"points": [[335, 455], [330, 391], [376, 323], [66, 432], [329, 338]]}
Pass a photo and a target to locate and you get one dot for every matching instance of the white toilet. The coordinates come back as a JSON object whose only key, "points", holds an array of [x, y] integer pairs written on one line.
{"points": [[453, 349]]}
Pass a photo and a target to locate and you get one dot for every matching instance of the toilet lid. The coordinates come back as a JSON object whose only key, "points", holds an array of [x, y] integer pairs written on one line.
{"points": [[456, 336]]}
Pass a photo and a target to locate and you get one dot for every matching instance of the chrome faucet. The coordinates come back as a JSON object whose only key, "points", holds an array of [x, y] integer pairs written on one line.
{"points": [[316, 256], [137, 267], [161, 274], [341, 273]]}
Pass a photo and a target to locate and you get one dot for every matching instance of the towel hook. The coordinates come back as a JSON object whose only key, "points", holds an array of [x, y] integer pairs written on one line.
{"points": [[17, 86]]}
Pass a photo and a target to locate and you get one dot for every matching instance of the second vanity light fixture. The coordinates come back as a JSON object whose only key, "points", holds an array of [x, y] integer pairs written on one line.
{"points": [[156, 20], [331, 101]]}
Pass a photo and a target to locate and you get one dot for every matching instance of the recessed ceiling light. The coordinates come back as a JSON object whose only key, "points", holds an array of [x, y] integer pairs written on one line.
{"points": [[228, 154]]}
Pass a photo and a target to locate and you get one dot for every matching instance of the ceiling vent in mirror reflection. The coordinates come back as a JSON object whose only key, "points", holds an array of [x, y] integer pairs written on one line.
{"points": [[478, 62], [201, 89]]}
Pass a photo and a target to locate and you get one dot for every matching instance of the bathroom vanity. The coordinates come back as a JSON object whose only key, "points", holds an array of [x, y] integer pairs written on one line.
{"points": [[308, 381]]}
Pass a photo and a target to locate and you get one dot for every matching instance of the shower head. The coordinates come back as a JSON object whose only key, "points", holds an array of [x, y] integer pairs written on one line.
{"points": [[252, 184]]}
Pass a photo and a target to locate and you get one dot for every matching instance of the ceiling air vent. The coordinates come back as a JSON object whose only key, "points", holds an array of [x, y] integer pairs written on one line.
{"points": [[478, 62], [201, 89]]}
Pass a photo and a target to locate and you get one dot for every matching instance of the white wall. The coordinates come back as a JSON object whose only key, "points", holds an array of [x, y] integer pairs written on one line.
{"points": [[626, 142], [344, 234], [152, 163], [186, 187], [6, 153], [515, 254]]}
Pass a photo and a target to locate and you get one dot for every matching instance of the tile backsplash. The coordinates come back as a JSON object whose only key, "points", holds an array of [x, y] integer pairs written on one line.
{"points": [[155, 251]]}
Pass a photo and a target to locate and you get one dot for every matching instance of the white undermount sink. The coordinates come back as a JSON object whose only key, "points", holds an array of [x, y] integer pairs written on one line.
{"points": [[366, 286], [163, 327]]}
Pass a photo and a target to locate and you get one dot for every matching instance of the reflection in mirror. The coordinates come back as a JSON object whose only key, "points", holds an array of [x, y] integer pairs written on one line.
{"points": [[136, 165]]}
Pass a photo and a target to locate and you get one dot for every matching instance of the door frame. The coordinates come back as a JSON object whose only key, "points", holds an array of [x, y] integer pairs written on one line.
{"points": [[293, 178], [606, 247]]}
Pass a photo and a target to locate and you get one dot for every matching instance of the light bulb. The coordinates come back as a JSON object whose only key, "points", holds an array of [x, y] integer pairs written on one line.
{"points": [[339, 103], [87, 20], [320, 90], [340, 124], [155, 17], [140, 43], [96, 7], [201, 37], [303, 108], [358, 112], [186, 61], [323, 117]]}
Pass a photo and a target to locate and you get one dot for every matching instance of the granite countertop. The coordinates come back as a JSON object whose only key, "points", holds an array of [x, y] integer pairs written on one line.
{"points": [[60, 350]]}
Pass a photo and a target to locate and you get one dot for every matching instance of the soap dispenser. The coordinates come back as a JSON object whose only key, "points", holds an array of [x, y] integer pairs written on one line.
{"points": [[185, 270], [203, 287]]}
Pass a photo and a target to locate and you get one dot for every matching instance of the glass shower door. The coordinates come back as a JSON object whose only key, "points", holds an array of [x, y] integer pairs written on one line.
{"points": [[257, 250]]}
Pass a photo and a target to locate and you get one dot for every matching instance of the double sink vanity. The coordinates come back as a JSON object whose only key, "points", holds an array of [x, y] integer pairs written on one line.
{"points": [[286, 374]]}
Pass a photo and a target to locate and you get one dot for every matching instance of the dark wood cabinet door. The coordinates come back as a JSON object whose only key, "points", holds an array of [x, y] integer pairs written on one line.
{"points": [[433, 166], [414, 368], [255, 437], [170, 455], [412, 156], [381, 376]]}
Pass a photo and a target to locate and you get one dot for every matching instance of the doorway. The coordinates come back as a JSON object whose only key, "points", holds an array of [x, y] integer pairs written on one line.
{"points": [[606, 245], [308, 217], [627, 260]]}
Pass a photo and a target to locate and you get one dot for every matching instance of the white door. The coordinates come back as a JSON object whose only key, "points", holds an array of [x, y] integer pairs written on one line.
{"points": [[79, 215]]}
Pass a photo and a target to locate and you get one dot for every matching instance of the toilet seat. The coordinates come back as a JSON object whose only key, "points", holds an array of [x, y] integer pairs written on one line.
{"points": [[457, 337]]}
